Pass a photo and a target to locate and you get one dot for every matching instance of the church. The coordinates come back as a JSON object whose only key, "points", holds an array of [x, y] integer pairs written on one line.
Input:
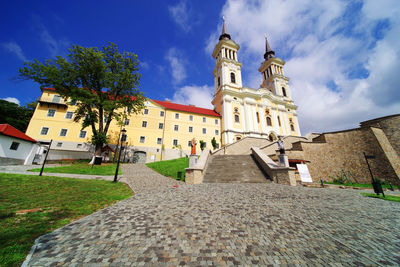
{"points": [[163, 130]]}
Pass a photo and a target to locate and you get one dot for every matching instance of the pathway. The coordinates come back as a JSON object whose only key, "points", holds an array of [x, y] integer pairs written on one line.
{"points": [[227, 224]]}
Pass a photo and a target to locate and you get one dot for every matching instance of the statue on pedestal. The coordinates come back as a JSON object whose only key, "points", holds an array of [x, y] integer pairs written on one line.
{"points": [[281, 145], [193, 144]]}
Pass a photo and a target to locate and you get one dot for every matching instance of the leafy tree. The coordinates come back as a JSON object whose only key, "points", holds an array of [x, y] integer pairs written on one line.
{"points": [[202, 145], [16, 115], [103, 82], [214, 143]]}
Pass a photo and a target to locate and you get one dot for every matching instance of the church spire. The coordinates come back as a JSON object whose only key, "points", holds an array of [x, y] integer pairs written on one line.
{"points": [[224, 35], [269, 53]]}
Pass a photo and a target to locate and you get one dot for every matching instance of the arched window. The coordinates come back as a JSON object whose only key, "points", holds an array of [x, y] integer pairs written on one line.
{"points": [[269, 121], [233, 79], [237, 118], [258, 117], [279, 121], [292, 127], [284, 91]]}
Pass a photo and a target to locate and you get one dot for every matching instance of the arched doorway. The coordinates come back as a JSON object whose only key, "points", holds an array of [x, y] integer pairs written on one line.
{"points": [[272, 137], [139, 157]]}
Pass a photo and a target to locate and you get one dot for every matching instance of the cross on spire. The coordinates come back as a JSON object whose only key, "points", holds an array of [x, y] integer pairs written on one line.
{"points": [[269, 53], [224, 35]]}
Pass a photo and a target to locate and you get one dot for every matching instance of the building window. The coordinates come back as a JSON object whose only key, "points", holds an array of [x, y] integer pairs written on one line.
{"points": [[159, 141], [189, 143], [204, 119], [216, 121], [63, 132], [105, 119], [161, 113], [205, 144], [126, 122], [237, 118], [191, 117], [175, 142], [142, 139], [176, 127], [204, 130], [72, 102], [144, 124], [14, 146], [216, 132], [190, 129], [258, 117], [217, 145], [69, 115], [279, 121], [56, 99], [219, 81], [176, 115], [44, 130], [283, 91], [161, 125], [233, 79], [79, 146], [292, 127], [146, 111], [59, 144], [269, 121], [51, 112], [82, 134]]}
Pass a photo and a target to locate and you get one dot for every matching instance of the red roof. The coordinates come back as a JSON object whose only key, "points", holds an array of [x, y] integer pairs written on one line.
{"points": [[7, 129], [191, 109], [173, 106]]}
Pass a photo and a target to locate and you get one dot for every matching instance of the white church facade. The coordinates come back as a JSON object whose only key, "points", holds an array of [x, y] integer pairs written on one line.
{"points": [[266, 112]]}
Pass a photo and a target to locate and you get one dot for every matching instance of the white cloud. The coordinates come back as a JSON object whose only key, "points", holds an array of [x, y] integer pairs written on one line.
{"points": [[11, 99], [199, 96], [144, 65], [180, 14], [13, 47], [177, 65], [342, 57]]}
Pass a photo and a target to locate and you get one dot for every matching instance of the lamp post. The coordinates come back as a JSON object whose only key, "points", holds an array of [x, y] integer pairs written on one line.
{"points": [[123, 139]]}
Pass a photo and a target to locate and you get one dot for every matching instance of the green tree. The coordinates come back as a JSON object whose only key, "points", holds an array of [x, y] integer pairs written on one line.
{"points": [[202, 145], [16, 115], [214, 143], [103, 82]]}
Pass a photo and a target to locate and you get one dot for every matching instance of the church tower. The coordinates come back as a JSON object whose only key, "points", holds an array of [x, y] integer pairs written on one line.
{"points": [[266, 112], [272, 73]]}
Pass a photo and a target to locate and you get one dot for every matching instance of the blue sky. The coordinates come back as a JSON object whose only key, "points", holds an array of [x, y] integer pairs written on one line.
{"points": [[342, 57]]}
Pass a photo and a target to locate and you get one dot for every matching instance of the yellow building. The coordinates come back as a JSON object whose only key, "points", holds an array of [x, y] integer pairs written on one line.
{"points": [[163, 129]]}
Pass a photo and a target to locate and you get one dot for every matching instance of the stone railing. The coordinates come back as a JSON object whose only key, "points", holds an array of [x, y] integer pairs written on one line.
{"points": [[195, 172], [279, 174]]}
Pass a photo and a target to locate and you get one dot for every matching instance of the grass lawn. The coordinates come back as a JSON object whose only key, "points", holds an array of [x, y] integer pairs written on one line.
{"points": [[171, 168], [61, 201], [103, 169], [358, 185], [389, 198]]}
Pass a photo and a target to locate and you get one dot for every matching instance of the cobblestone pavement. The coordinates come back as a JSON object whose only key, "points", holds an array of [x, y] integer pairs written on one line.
{"points": [[226, 225]]}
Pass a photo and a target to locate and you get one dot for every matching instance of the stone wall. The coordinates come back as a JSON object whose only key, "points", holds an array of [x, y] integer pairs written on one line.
{"points": [[242, 147], [334, 152]]}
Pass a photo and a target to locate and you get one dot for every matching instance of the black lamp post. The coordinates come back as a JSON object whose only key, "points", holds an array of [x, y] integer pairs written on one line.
{"points": [[123, 139]]}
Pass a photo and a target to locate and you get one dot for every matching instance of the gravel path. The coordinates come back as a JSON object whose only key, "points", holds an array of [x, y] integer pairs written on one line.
{"points": [[226, 225]]}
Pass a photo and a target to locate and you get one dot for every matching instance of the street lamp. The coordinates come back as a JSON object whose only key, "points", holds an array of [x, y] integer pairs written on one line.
{"points": [[123, 139]]}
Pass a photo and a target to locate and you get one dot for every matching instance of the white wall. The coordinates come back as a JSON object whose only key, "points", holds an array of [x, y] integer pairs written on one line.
{"points": [[22, 152]]}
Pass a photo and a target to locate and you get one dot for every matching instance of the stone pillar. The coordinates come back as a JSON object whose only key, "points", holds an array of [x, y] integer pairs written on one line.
{"points": [[192, 161], [283, 160]]}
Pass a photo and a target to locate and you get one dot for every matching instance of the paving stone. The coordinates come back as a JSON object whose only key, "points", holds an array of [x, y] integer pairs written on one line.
{"points": [[249, 224]]}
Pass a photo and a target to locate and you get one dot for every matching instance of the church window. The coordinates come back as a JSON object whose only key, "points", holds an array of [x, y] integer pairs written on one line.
{"points": [[236, 109], [269, 121], [292, 127], [237, 118], [258, 117], [284, 91], [219, 81], [233, 78], [267, 112], [238, 138], [279, 121]]}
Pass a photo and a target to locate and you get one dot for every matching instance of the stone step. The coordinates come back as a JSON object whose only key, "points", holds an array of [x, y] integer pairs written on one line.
{"points": [[233, 169]]}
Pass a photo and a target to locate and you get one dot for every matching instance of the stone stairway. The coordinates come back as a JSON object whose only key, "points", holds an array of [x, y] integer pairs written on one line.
{"points": [[233, 169]]}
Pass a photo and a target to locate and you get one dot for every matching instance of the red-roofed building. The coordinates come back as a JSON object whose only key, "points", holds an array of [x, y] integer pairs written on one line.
{"points": [[15, 146]]}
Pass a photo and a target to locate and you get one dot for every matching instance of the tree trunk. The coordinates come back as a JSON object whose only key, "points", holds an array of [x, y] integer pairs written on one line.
{"points": [[97, 152]]}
